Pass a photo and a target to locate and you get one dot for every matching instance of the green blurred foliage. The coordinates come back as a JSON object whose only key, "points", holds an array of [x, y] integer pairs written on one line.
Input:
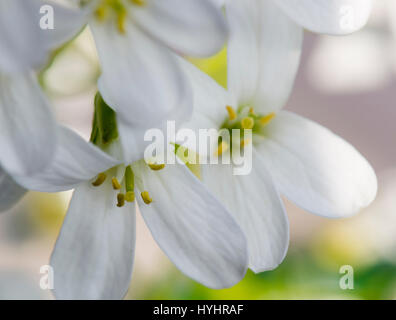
{"points": [[300, 276]]}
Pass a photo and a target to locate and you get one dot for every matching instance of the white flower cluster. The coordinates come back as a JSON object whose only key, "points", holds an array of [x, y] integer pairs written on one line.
{"points": [[211, 224]]}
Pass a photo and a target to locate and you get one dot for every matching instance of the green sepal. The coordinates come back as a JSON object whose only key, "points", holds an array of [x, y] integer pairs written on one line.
{"points": [[104, 127]]}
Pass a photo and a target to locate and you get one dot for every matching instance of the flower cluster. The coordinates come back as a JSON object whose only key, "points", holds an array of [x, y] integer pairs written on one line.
{"points": [[212, 224]]}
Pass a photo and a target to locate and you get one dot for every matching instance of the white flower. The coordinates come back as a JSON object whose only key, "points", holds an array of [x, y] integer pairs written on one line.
{"points": [[94, 253], [307, 163], [27, 126], [141, 78]]}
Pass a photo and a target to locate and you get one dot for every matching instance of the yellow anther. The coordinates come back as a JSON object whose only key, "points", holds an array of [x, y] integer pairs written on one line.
{"points": [[231, 113], [99, 180], [267, 119], [139, 2], [121, 20], [146, 197], [251, 111], [130, 196], [223, 147], [120, 200], [156, 167], [247, 123], [116, 184], [101, 13], [245, 142]]}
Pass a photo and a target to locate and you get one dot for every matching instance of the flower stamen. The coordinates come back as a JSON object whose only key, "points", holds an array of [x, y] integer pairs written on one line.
{"points": [[121, 20], [156, 167], [120, 200], [247, 123], [119, 10], [129, 184], [101, 13], [146, 197], [267, 119], [116, 184], [100, 179], [130, 196], [232, 115]]}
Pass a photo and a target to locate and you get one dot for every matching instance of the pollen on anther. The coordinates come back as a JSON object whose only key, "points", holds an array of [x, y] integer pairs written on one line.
{"points": [[231, 113], [267, 119], [101, 13], [146, 197], [247, 123], [120, 200], [99, 180], [121, 21], [156, 167], [116, 184]]}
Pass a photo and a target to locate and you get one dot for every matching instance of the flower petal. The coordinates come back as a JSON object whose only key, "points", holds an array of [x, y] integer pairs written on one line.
{"points": [[75, 161], [141, 79], [256, 205], [210, 101], [328, 16], [27, 126], [316, 169], [93, 256], [132, 142], [195, 231], [219, 3], [24, 45], [196, 28], [10, 191], [263, 54]]}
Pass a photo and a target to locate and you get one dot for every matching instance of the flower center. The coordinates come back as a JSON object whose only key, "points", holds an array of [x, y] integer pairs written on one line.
{"points": [[116, 9], [125, 186], [242, 119]]}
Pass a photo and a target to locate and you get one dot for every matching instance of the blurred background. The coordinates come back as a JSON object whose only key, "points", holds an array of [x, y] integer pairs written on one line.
{"points": [[347, 84]]}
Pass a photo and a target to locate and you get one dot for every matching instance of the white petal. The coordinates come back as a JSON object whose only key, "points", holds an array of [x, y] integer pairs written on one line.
{"points": [[24, 45], [191, 27], [316, 169], [195, 231], [10, 191], [219, 3], [132, 135], [27, 126], [328, 16], [93, 256], [141, 79], [256, 205], [132, 142], [263, 54], [210, 101], [75, 161]]}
